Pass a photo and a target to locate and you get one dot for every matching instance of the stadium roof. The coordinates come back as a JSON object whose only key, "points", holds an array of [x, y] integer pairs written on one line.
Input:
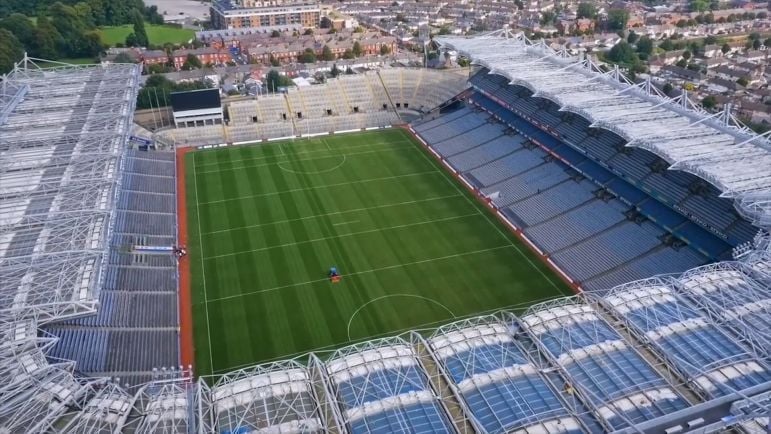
{"points": [[714, 147], [63, 131]]}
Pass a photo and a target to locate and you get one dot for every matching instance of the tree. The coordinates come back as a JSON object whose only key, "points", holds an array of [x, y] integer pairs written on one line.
{"points": [[21, 27], [681, 23], [682, 63], [617, 19], [742, 81], [645, 46], [11, 51], [348, 54], [385, 50], [308, 56], [335, 71], [709, 40], [327, 54], [349, 71], [756, 44], [667, 45], [668, 88], [547, 18], [358, 29], [586, 10], [274, 80], [709, 102], [726, 48], [131, 40], [123, 58], [623, 53], [139, 29], [686, 55], [699, 5], [308, 32], [356, 50], [191, 62], [632, 37], [275, 34]]}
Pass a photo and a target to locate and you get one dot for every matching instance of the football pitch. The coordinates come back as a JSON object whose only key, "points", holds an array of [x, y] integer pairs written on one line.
{"points": [[414, 248]]}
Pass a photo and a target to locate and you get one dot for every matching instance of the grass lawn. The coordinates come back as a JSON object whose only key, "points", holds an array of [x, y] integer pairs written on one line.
{"points": [[158, 34], [267, 222]]}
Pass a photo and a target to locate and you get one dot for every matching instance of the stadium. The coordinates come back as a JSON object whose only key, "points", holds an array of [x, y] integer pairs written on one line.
{"points": [[531, 245]]}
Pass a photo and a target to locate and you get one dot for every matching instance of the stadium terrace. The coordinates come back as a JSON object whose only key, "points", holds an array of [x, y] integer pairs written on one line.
{"points": [[134, 282]]}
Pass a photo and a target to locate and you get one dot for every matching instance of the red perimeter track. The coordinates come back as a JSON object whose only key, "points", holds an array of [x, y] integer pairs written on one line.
{"points": [[542, 256], [186, 347]]}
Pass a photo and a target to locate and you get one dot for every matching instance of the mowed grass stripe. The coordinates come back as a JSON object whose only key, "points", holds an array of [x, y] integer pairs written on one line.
{"points": [[273, 298]]}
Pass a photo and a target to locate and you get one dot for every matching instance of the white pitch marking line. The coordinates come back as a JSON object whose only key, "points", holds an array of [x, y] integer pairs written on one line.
{"points": [[350, 321], [345, 223], [203, 267], [318, 187], [356, 273], [409, 202], [369, 231]]}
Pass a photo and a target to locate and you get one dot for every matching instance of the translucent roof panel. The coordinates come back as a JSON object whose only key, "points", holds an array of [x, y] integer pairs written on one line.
{"points": [[500, 385], [619, 383], [706, 354], [735, 160]]}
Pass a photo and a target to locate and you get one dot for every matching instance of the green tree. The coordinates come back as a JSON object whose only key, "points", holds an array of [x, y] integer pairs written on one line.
{"points": [[709, 40], [47, 40], [326, 54], [348, 54], [131, 40], [742, 81], [632, 37], [668, 88], [308, 32], [274, 80], [686, 55], [682, 63], [21, 27], [547, 18], [617, 19], [273, 61], [667, 45], [645, 46], [191, 62], [586, 10], [756, 44], [11, 51], [308, 56], [335, 71], [356, 50], [709, 102], [275, 34], [139, 29], [699, 5], [623, 53], [385, 50], [725, 48]]}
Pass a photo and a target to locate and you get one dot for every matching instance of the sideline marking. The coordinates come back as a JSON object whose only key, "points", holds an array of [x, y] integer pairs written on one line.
{"points": [[203, 267], [350, 321], [345, 223]]}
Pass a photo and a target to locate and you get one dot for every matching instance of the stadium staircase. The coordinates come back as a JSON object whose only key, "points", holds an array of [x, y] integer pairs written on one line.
{"points": [[388, 95]]}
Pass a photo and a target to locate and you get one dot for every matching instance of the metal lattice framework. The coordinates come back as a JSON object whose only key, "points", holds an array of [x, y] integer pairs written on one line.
{"points": [[621, 387], [62, 135], [712, 360], [715, 147], [278, 397]]}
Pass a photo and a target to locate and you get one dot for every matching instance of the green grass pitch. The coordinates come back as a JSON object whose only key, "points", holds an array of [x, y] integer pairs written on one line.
{"points": [[158, 34], [266, 222]]}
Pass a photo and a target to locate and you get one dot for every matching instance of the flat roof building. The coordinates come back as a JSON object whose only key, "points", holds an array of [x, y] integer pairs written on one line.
{"points": [[227, 14]]}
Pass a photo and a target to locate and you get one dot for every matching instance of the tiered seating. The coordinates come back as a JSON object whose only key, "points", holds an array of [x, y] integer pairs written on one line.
{"points": [[527, 184], [552, 201], [421, 89], [573, 226], [662, 260], [469, 139], [731, 296], [703, 352], [135, 328], [501, 386], [612, 377], [458, 125], [480, 155], [271, 398], [384, 389], [609, 249], [511, 165]]}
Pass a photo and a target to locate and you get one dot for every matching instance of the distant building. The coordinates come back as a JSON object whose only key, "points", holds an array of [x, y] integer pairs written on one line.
{"points": [[234, 14], [206, 56]]}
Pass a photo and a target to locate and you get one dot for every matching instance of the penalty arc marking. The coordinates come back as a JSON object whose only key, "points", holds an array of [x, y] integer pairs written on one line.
{"points": [[350, 321]]}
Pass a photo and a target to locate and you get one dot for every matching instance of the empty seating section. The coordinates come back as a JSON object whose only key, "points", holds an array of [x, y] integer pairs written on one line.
{"points": [[480, 155], [459, 125], [573, 226], [500, 385], [470, 139], [421, 89], [662, 260], [383, 389], [527, 184], [612, 248], [610, 375], [707, 355], [135, 328], [512, 165], [639, 167], [552, 201], [730, 295]]}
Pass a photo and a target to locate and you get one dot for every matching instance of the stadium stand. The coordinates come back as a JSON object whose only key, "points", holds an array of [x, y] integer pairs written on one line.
{"points": [[349, 102], [666, 354]]}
